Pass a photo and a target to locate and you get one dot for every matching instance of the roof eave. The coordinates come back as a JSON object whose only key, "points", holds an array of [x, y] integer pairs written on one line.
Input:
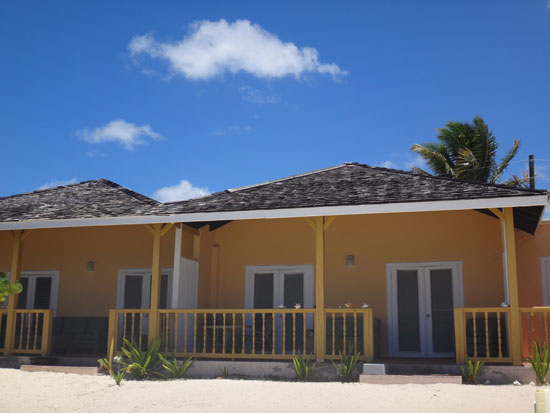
{"points": [[383, 208]]}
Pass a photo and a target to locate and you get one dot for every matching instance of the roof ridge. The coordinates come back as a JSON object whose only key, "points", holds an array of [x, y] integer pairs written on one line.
{"points": [[53, 188], [108, 182], [316, 171], [457, 180]]}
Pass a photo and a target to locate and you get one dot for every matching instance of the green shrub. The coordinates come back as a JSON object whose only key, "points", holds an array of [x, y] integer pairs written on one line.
{"points": [[7, 288], [141, 365], [175, 368], [348, 363], [117, 373], [540, 362], [471, 370], [304, 367]]}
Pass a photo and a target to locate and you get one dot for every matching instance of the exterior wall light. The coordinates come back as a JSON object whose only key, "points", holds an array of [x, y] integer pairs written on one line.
{"points": [[90, 266], [350, 260]]}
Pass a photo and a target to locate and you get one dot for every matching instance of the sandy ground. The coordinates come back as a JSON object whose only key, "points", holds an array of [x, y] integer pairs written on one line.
{"points": [[59, 392]]}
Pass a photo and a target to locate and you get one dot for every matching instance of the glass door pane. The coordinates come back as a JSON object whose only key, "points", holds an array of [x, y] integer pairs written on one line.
{"points": [[441, 294], [263, 290], [293, 293], [408, 311], [133, 289], [42, 292]]}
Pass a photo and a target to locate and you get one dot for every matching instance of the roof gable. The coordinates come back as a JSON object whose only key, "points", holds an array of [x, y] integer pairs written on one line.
{"points": [[348, 184], [88, 199]]}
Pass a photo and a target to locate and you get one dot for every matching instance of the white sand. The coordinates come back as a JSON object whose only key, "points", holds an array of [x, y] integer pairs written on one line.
{"points": [[58, 392]]}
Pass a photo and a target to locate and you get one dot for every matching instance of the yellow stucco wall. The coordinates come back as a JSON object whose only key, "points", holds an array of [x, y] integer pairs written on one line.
{"points": [[375, 240], [83, 293], [529, 252]]}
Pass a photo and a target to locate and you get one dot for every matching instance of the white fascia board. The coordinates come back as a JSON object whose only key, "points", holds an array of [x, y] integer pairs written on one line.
{"points": [[428, 206]]}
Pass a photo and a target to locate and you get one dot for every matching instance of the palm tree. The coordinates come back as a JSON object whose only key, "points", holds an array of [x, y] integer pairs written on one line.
{"points": [[466, 151]]}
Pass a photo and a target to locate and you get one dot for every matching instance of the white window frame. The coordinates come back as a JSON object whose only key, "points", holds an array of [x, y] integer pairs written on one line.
{"points": [[31, 287], [146, 273], [545, 273], [458, 302], [278, 289]]}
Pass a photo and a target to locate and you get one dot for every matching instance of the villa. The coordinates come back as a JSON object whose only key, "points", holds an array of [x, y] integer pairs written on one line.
{"points": [[350, 258]]}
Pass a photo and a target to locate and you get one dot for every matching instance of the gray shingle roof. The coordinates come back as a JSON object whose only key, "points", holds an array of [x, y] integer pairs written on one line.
{"points": [[348, 184], [88, 199]]}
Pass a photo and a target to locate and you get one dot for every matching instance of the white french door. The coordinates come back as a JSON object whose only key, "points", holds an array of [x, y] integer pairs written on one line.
{"points": [[421, 300], [279, 287]]}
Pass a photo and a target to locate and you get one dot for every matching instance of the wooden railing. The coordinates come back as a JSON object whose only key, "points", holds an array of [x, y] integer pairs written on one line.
{"points": [[535, 326], [32, 332], [482, 334], [349, 330], [244, 333]]}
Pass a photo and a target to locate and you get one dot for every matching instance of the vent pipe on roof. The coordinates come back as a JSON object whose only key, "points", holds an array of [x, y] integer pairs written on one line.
{"points": [[531, 172]]}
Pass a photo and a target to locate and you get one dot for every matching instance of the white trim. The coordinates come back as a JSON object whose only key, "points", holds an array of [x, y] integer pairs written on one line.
{"points": [[146, 273], [424, 304], [426, 206], [54, 275], [177, 268], [278, 271], [545, 272]]}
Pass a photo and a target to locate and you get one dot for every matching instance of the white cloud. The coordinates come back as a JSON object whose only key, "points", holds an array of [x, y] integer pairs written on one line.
{"points": [[179, 192], [53, 184], [238, 129], [256, 96], [125, 133], [403, 161], [215, 47]]}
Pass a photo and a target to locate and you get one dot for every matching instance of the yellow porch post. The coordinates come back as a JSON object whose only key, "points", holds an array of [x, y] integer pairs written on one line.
{"points": [[17, 251], [158, 230], [320, 324], [515, 325]]}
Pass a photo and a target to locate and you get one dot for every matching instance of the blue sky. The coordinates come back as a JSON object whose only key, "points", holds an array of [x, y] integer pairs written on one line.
{"points": [[225, 94]]}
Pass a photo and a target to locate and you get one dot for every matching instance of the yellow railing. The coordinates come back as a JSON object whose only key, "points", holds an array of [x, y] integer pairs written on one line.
{"points": [[482, 334], [349, 329], [244, 333], [535, 326], [32, 331], [273, 333]]}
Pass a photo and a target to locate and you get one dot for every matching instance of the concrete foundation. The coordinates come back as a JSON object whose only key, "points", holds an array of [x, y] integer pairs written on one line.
{"points": [[88, 371], [415, 379]]}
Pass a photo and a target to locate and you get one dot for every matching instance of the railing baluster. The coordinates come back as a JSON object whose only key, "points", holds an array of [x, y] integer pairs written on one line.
{"points": [[273, 315], [355, 331], [204, 317], [475, 333], [263, 333], [304, 343], [487, 354], [294, 333], [253, 333], [333, 333], [243, 349], [284, 334], [499, 336], [545, 328], [224, 333], [233, 334], [37, 317]]}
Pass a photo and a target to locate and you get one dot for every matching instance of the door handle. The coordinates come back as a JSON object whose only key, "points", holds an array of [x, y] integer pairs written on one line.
{"points": [[427, 316]]}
